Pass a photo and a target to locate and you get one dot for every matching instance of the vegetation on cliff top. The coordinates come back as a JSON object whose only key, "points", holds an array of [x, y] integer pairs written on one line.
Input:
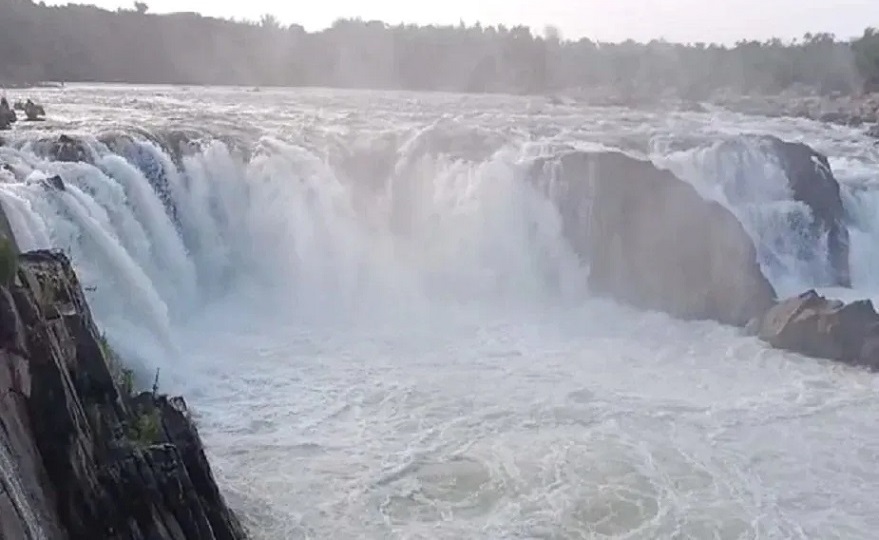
{"points": [[86, 43]]}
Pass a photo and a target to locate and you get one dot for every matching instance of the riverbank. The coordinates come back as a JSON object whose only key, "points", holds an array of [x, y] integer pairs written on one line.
{"points": [[844, 109]]}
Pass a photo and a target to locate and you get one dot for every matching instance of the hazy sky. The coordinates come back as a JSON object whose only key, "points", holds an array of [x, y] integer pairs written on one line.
{"points": [[610, 20]]}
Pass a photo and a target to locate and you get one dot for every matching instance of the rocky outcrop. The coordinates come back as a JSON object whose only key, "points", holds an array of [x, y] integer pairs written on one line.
{"points": [[652, 241], [845, 109], [849, 110], [81, 457], [7, 118], [809, 179], [34, 112], [64, 148], [816, 326], [812, 182]]}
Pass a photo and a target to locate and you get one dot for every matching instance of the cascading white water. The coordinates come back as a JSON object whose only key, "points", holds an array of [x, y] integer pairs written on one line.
{"points": [[385, 334], [282, 229], [746, 177]]}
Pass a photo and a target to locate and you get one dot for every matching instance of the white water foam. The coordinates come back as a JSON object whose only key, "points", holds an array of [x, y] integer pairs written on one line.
{"points": [[408, 351]]}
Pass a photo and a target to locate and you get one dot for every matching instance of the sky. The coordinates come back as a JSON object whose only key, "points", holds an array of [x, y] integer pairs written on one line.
{"points": [[723, 21]]}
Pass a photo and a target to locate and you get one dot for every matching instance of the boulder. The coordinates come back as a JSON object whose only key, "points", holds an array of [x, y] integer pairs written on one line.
{"points": [[652, 241], [812, 182], [34, 112], [7, 118], [873, 131], [816, 326]]}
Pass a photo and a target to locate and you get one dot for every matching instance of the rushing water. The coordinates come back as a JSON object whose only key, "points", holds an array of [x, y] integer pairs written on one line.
{"points": [[385, 335]]}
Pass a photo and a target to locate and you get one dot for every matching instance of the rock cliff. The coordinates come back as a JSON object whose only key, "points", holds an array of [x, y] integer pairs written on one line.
{"points": [[81, 456]]}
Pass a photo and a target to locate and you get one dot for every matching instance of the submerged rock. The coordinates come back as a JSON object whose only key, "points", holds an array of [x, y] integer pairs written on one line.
{"points": [[89, 459], [653, 242], [816, 326], [55, 182], [66, 148]]}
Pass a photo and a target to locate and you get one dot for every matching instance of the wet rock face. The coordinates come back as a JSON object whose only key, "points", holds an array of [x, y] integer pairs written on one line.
{"points": [[812, 182], [92, 461], [809, 180], [653, 242], [816, 326]]}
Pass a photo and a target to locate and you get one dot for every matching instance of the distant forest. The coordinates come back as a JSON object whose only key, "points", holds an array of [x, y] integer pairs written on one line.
{"points": [[82, 43]]}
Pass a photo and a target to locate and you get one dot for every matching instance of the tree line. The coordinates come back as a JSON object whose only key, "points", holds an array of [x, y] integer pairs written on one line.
{"points": [[83, 43]]}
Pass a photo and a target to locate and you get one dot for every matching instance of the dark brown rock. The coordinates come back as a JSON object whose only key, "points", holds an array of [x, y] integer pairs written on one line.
{"points": [[816, 326], [653, 242], [90, 460]]}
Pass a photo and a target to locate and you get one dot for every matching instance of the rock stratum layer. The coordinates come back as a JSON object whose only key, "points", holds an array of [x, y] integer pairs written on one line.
{"points": [[81, 456]]}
